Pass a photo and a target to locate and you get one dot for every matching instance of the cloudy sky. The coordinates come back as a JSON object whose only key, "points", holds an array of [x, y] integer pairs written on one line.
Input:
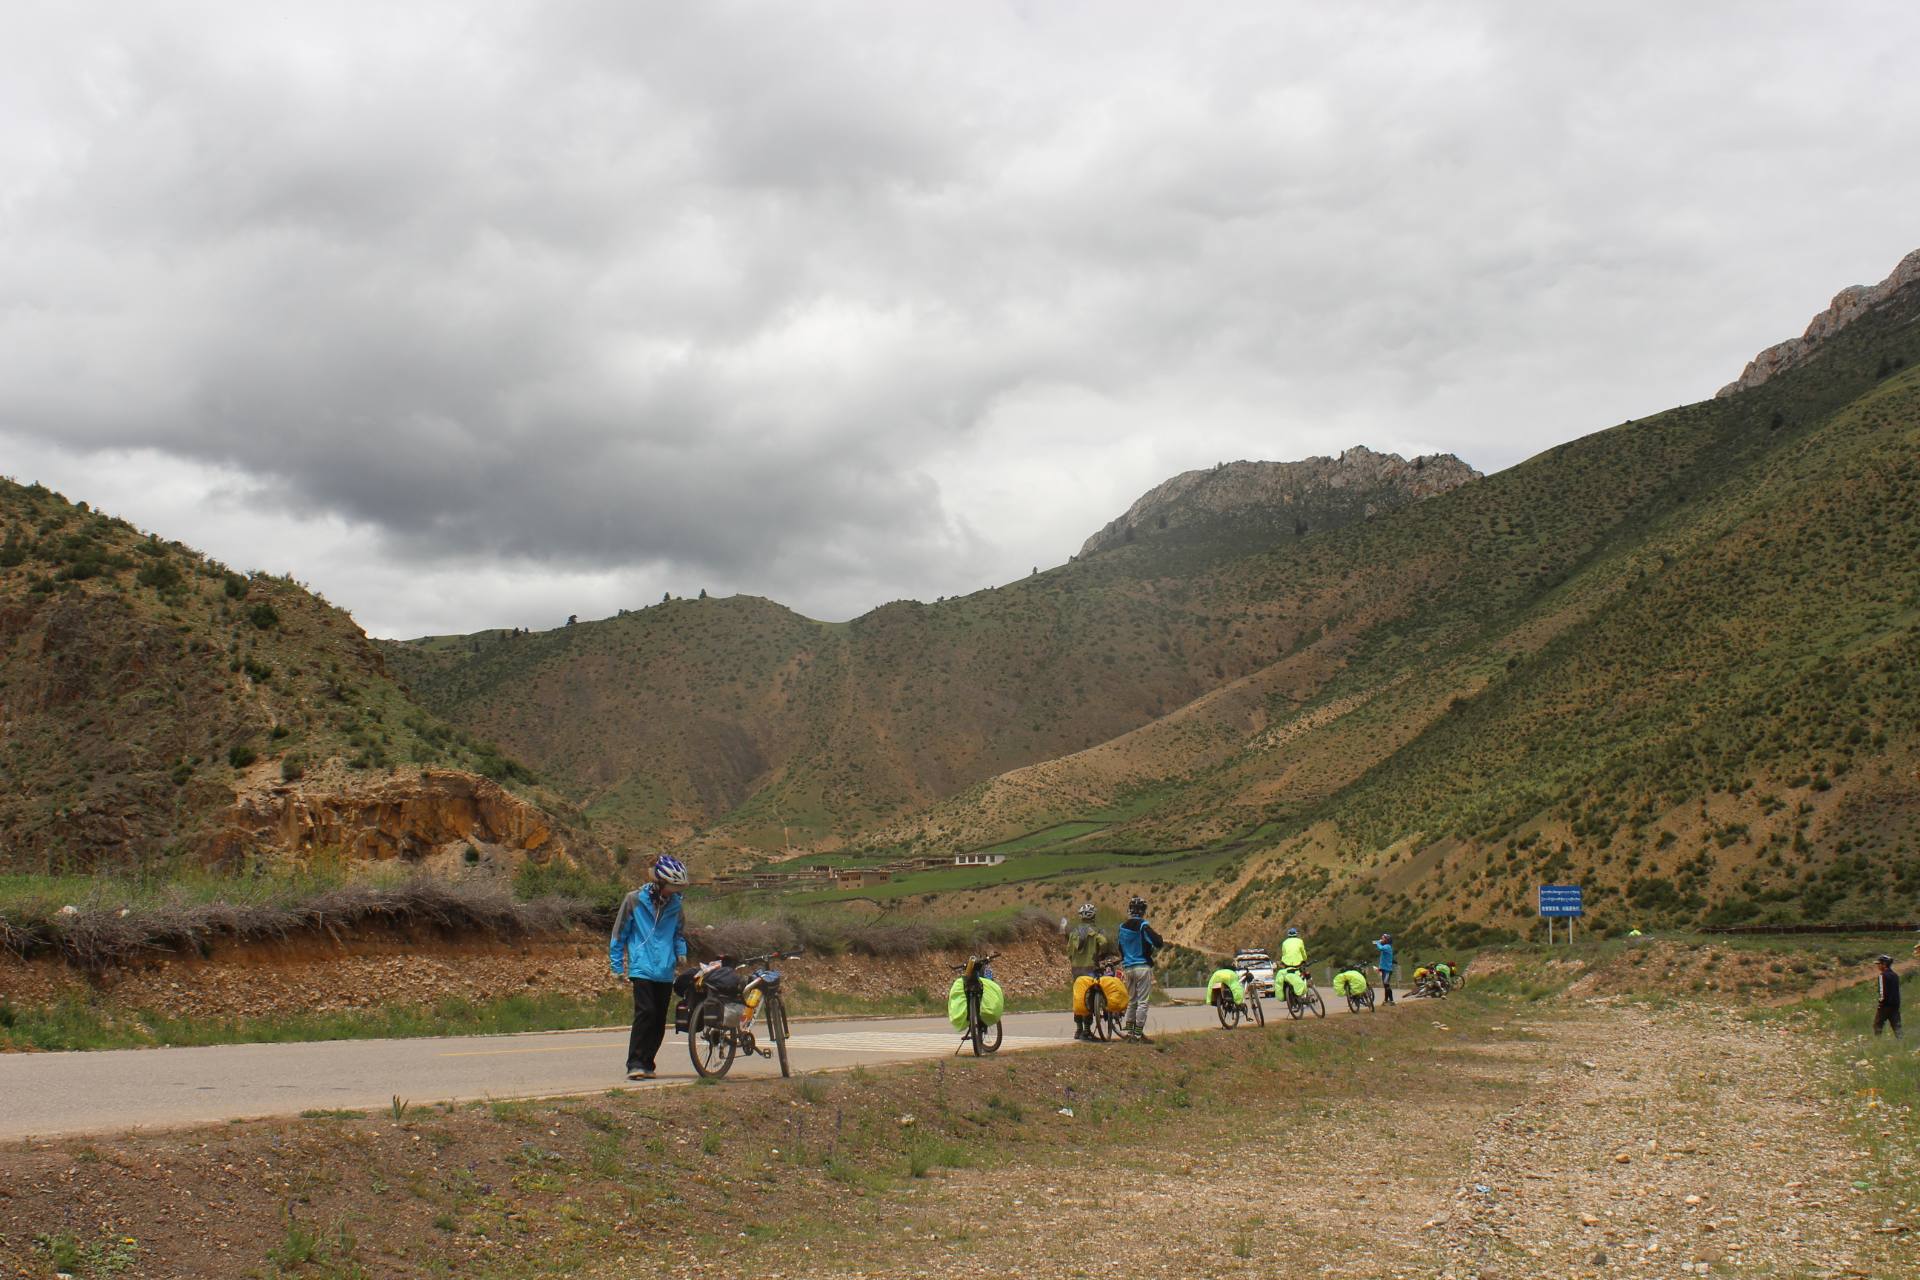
{"points": [[479, 314]]}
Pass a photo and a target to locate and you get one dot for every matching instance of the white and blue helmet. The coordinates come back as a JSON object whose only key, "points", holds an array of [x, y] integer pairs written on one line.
{"points": [[668, 869]]}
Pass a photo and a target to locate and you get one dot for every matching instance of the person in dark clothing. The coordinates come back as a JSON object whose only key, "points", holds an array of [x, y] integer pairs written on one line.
{"points": [[1887, 1012], [649, 943]]}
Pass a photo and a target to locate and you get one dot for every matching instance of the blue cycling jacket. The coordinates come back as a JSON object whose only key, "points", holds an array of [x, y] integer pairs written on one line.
{"points": [[643, 947], [1386, 955], [1138, 942]]}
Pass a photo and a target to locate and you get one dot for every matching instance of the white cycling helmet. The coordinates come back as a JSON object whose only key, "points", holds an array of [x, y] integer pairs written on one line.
{"points": [[1087, 911], [668, 869]]}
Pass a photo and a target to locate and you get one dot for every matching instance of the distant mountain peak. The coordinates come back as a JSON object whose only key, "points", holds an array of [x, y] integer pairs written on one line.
{"points": [[1288, 497], [1847, 306]]}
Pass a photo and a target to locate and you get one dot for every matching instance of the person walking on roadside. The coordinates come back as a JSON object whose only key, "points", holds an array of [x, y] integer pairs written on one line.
{"points": [[1887, 1012], [649, 942], [1085, 945], [1385, 948], [1138, 944]]}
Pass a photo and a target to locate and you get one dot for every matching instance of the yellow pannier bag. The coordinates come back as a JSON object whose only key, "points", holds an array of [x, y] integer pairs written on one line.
{"points": [[1350, 983], [1113, 989]]}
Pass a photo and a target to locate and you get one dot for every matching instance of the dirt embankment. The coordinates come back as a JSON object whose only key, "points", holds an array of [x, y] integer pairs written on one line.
{"points": [[373, 968], [1715, 972]]}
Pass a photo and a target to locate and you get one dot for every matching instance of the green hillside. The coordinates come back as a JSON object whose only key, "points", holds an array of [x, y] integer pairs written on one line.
{"points": [[1668, 659], [143, 687], [741, 722], [1673, 660]]}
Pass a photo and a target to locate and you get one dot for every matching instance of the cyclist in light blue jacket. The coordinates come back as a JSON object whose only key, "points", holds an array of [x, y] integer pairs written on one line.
{"points": [[649, 941], [1385, 948]]}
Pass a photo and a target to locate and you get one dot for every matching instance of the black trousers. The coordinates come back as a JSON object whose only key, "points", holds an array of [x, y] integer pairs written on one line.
{"points": [[652, 1001], [1887, 1015]]}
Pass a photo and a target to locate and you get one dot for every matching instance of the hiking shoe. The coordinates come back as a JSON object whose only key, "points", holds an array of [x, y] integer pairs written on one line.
{"points": [[641, 1073], [1142, 1038]]}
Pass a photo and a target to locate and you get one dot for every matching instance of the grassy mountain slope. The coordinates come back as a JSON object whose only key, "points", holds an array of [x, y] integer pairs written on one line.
{"points": [[144, 689], [741, 713], [1670, 660]]}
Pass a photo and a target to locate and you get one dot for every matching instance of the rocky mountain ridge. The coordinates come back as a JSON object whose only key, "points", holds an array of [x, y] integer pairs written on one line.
{"points": [[1847, 306], [1287, 498]]}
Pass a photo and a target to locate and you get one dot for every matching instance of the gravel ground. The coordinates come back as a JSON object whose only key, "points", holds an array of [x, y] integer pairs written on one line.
{"points": [[1603, 1140]]}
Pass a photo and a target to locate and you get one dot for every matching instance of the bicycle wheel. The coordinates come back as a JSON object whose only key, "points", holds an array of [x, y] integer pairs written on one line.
{"points": [[1256, 1013], [1314, 999], [1228, 1012], [1097, 1012], [777, 1028], [1294, 1007], [710, 1045], [992, 1037]]}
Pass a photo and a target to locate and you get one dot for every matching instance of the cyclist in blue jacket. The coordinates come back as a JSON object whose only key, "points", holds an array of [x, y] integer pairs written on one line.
{"points": [[1138, 943], [649, 941], [1385, 948]]}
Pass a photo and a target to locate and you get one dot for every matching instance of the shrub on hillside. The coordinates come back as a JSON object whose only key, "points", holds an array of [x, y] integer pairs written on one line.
{"points": [[558, 880], [106, 936]]}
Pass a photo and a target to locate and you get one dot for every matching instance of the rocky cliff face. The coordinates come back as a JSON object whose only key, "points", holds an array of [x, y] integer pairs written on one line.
{"points": [[1290, 497], [429, 815], [1847, 306]]}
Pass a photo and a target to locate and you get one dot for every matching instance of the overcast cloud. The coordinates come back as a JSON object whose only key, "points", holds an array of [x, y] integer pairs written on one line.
{"points": [[483, 314]]}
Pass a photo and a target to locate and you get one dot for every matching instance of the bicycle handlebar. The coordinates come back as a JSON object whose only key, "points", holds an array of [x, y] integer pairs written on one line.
{"points": [[771, 955]]}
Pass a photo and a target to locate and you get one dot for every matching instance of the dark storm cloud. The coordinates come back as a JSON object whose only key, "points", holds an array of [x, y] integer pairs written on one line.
{"points": [[839, 302]]}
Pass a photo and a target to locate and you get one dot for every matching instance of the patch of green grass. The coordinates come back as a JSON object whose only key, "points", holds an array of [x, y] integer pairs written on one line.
{"points": [[928, 1152], [1875, 1080], [1047, 837], [75, 1023], [106, 1256]]}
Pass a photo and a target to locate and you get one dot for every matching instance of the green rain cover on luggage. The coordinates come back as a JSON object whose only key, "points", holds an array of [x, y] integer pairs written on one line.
{"points": [[1350, 982], [1231, 981], [993, 1002]]}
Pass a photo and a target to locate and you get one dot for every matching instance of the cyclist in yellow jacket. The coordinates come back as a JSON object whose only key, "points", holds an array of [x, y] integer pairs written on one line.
{"points": [[1293, 960]]}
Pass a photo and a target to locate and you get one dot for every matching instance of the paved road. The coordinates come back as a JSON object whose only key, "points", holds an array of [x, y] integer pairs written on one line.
{"points": [[57, 1094]]}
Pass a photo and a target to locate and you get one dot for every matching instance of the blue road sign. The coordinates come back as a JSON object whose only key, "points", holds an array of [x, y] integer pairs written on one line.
{"points": [[1560, 900]]}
